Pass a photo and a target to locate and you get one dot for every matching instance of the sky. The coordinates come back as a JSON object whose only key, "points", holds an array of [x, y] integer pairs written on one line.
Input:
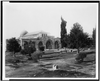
{"points": [[32, 17]]}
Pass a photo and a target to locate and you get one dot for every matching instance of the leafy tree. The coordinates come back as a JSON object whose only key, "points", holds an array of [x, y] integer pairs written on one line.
{"points": [[67, 41], [94, 36], [29, 48], [13, 45], [78, 39], [76, 36], [63, 33]]}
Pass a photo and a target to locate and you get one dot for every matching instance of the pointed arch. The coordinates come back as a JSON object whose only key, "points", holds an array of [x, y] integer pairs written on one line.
{"points": [[40, 44], [49, 44], [56, 44]]}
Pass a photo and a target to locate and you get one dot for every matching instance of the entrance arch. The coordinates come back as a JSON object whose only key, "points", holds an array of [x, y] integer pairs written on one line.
{"points": [[49, 44], [56, 44], [40, 44]]}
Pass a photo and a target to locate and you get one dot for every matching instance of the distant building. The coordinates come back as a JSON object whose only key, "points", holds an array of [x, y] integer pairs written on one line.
{"points": [[38, 39]]}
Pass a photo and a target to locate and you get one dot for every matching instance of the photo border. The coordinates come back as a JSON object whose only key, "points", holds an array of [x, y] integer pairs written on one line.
{"points": [[2, 41]]}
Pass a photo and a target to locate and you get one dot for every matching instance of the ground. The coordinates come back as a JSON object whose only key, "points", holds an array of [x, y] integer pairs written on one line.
{"points": [[65, 62]]}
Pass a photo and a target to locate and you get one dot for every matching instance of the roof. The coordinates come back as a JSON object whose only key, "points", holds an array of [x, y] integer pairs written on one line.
{"points": [[33, 35]]}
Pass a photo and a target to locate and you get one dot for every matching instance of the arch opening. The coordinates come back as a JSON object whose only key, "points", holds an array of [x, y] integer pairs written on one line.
{"points": [[56, 44], [33, 44], [49, 44], [40, 44]]}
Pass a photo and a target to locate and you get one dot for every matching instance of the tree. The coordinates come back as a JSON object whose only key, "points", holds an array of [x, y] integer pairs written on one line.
{"points": [[63, 33], [68, 41], [13, 45], [78, 39], [94, 36], [76, 36], [89, 42], [29, 48]]}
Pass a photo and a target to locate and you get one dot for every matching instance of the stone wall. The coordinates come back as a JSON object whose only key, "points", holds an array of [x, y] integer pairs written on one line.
{"points": [[48, 41]]}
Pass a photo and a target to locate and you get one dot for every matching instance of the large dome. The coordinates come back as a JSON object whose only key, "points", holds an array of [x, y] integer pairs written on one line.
{"points": [[23, 33]]}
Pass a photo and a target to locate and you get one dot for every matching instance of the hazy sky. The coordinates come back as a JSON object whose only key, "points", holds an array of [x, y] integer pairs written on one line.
{"points": [[47, 17]]}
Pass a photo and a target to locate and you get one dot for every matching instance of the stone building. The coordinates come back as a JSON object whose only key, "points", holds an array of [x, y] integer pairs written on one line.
{"points": [[38, 39]]}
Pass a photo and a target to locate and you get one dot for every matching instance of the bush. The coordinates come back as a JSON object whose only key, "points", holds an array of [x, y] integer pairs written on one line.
{"points": [[37, 55], [23, 52], [41, 48], [28, 50], [13, 45], [80, 57]]}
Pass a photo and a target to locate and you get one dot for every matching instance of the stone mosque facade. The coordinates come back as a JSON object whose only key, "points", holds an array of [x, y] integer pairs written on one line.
{"points": [[40, 38]]}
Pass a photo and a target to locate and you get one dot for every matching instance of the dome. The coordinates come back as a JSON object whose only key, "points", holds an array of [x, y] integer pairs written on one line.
{"points": [[23, 33]]}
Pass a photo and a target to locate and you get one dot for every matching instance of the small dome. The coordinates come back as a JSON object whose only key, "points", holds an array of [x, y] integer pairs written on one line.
{"points": [[23, 33]]}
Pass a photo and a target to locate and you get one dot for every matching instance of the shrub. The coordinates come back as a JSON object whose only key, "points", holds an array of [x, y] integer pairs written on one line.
{"points": [[37, 55], [28, 49], [41, 48], [13, 45], [80, 57], [23, 52]]}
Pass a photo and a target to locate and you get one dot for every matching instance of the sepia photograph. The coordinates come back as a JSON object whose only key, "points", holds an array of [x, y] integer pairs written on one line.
{"points": [[50, 40]]}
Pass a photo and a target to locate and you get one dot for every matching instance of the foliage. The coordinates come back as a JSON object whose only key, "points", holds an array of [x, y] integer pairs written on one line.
{"points": [[37, 55], [78, 39], [13, 45], [63, 34], [94, 36], [28, 49], [82, 55], [67, 40], [89, 42], [41, 48]]}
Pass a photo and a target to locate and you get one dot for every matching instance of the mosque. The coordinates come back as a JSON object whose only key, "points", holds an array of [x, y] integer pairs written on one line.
{"points": [[40, 38]]}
